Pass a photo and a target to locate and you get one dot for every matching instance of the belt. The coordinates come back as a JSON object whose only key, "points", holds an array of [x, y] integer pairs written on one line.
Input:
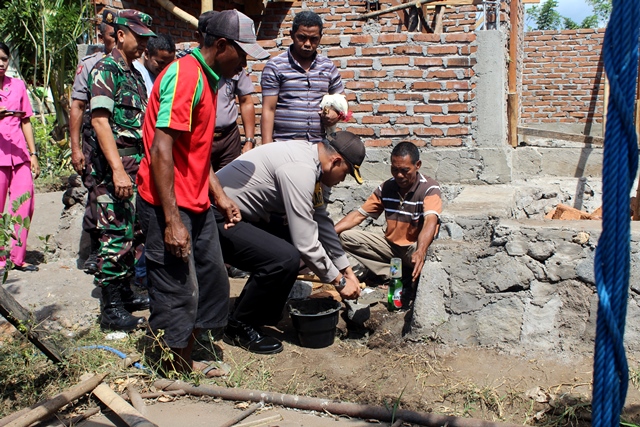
{"points": [[129, 151], [220, 132]]}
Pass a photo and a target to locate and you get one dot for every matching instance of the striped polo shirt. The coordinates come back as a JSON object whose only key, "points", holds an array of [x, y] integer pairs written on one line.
{"points": [[299, 94], [404, 215]]}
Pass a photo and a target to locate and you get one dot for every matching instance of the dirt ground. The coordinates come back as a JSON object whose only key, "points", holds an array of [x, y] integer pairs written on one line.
{"points": [[376, 366]]}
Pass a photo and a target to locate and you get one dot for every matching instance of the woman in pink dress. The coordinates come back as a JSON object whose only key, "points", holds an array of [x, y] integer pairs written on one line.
{"points": [[18, 156]]}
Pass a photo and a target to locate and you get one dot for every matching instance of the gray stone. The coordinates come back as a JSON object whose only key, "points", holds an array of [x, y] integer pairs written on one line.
{"points": [[516, 248], [539, 325], [501, 322], [503, 273], [540, 250], [585, 270]]}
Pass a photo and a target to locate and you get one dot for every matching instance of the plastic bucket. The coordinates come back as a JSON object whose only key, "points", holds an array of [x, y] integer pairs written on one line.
{"points": [[315, 321]]}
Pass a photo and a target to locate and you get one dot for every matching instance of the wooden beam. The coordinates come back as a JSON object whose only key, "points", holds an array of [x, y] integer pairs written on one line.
{"points": [[574, 137], [513, 98], [19, 317]]}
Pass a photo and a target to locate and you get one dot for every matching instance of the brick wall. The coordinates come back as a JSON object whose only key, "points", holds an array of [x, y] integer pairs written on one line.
{"points": [[563, 80], [400, 85]]}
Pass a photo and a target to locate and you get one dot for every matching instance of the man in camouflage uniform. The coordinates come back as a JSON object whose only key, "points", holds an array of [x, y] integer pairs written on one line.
{"points": [[83, 139], [118, 103]]}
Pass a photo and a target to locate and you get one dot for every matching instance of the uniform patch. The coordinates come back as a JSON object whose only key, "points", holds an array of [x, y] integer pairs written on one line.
{"points": [[80, 67], [318, 199]]}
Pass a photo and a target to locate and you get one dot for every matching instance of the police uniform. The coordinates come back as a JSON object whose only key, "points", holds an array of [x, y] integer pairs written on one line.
{"points": [[119, 89]]}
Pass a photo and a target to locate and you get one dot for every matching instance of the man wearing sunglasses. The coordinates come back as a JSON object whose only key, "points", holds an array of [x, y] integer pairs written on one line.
{"points": [[278, 189]]}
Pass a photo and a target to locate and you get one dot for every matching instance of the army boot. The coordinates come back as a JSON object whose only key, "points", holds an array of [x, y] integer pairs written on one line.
{"points": [[131, 300], [113, 315]]}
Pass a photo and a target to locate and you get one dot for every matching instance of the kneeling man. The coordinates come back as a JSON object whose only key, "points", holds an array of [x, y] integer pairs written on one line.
{"points": [[278, 188], [411, 204]]}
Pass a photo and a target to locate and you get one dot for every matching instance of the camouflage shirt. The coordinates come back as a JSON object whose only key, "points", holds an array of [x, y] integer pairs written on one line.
{"points": [[119, 89]]}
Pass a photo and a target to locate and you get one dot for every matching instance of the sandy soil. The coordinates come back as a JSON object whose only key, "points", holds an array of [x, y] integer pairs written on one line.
{"points": [[375, 366]]}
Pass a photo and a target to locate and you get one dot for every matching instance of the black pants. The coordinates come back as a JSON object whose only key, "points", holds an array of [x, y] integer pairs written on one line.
{"points": [[184, 295], [262, 250]]}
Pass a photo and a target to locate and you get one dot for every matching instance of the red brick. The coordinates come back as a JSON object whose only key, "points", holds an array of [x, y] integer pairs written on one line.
{"points": [[375, 51], [392, 38], [461, 130], [361, 131], [443, 97], [361, 39], [410, 120], [415, 74], [344, 51], [394, 131], [410, 49], [378, 142], [376, 120], [428, 38], [372, 74], [459, 108], [373, 96], [458, 85], [391, 85], [359, 62], [450, 119], [442, 50], [360, 84], [426, 85], [330, 41], [347, 75], [410, 97], [427, 62], [429, 109], [460, 38], [427, 131], [391, 108], [461, 62], [395, 60], [361, 108], [446, 142], [442, 74]]}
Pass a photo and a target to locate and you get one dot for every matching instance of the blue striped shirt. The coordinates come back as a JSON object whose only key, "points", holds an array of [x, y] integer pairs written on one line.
{"points": [[299, 94]]}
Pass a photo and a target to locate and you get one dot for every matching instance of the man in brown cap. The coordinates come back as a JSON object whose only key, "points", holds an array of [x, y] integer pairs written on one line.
{"points": [[188, 284], [118, 102]]}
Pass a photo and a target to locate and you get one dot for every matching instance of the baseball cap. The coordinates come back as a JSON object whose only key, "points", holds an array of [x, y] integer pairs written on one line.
{"points": [[236, 26], [351, 148], [137, 21]]}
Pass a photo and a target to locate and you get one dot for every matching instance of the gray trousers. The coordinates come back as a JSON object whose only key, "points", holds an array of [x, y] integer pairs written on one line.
{"points": [[375, 252]]}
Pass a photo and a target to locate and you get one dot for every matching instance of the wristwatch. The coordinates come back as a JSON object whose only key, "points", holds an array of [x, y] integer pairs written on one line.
{"points": [[341, 284], [251, 140], [35, 153]]}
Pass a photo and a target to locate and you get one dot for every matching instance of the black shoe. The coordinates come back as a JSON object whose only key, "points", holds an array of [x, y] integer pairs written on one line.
{"points": [[26, 267], [244, 336], [113, 315], [90, 266], [132, 301], [236, 273]]}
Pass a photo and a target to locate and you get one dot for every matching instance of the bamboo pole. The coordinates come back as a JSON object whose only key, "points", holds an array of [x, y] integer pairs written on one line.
{"points": [[416, 3], [512, 97], [52, 405], [136, 400], [235, 420], [325, 405], [185, 16], [122, 409]]}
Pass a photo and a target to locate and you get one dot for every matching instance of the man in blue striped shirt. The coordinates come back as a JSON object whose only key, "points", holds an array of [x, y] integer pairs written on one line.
{"points": [[293, 84]]}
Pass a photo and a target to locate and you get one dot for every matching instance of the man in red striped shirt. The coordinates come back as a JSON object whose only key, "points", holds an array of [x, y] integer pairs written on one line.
{"points": [[188, 284]]}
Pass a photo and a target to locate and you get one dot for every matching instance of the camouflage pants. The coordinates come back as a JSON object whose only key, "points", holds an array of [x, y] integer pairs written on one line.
{"points": [[119, 235]]}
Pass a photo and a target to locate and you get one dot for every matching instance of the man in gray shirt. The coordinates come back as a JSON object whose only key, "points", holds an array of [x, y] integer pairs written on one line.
{"points": [[278, 188], [160, 52]]}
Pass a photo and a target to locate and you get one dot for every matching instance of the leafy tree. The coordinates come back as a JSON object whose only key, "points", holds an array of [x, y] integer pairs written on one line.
{"points": [[44, 34], [570, 24], [545, 17], [601, 9]]}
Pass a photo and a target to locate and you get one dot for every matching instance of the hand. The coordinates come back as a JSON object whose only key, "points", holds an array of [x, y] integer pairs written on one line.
{"points": [[417, 259], [330, 117], [177, 240], [351, 289], [229, 209], [35, 167], [3, 112], [247, 146], [123, 184], [77, 160]]}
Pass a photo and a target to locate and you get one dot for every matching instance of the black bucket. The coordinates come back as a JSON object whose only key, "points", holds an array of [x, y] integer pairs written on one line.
{"points": [[315, 320]]}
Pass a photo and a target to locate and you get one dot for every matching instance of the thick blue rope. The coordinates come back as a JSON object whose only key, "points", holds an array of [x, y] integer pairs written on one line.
{"points": [[611, 372]]}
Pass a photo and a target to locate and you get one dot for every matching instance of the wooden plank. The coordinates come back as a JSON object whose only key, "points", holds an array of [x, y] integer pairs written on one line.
{"points": [[574, 137], [127, 413], [437, 26], [512, 119], [19, 317]]}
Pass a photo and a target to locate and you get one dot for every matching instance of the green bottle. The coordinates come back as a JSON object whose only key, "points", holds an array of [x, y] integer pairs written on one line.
{"points": [[394, 294]]}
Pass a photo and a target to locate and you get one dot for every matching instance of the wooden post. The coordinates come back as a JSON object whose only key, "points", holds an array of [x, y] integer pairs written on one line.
{"points": [[512, 97], [19, 317]]}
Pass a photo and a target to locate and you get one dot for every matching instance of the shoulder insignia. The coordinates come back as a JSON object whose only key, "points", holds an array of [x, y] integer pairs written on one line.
{"points": [[79, 69], [318, 199]]}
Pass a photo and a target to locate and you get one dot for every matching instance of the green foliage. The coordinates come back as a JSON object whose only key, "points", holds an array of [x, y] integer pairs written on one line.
{"points": [[546, 17], [54, 157], [10, 227], [45, 33]]}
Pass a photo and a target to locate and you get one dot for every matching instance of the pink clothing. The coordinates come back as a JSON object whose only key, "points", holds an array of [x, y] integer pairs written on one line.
{"points": [[17, 180], [13, 146], [15, 161]]}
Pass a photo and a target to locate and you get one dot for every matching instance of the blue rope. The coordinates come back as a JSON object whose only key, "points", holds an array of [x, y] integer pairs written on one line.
{"points": [[114, 351], [611, 372]]}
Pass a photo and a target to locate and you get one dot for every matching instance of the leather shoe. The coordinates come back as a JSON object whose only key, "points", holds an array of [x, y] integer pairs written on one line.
{"points": [[26, 267], [244, 336]]}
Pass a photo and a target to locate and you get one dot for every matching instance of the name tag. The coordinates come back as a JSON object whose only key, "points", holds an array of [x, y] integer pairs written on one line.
{"points": [[318, 199]]}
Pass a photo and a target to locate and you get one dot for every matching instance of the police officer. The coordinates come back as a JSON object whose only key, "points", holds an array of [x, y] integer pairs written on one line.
{"points": [[118, 102], [83, 141]]}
